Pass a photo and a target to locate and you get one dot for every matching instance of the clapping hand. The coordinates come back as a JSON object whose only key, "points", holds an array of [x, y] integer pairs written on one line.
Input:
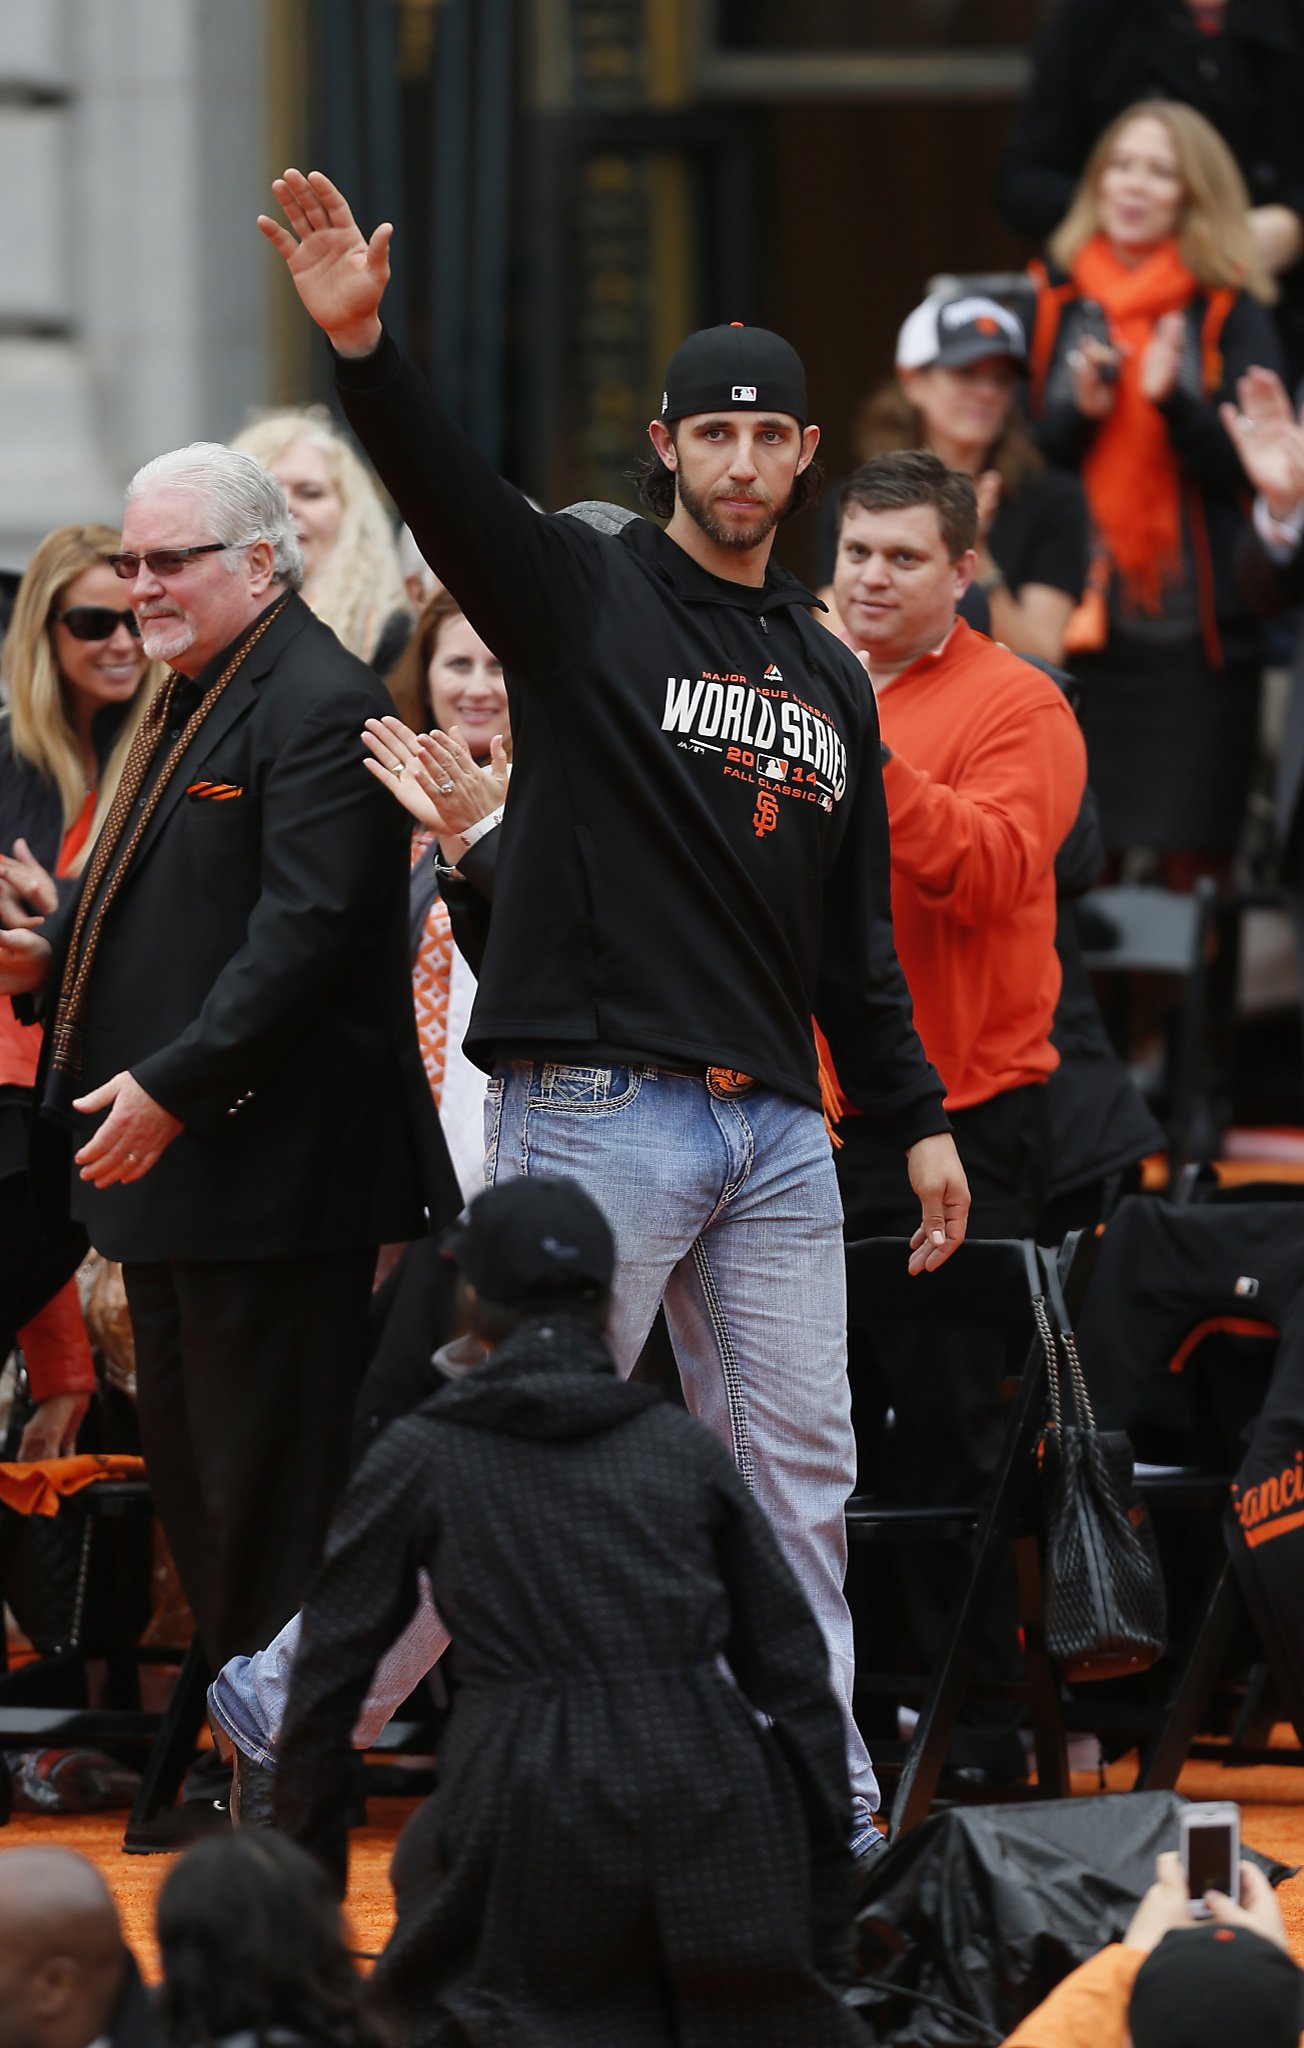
{"points": [[1163, 357], [1093, 366], [338, 273], [27, 892], [1268, 439], [435, 777]]}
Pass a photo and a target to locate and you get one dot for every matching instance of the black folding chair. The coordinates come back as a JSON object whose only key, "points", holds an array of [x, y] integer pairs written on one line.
{"points": [[985, 1285]]}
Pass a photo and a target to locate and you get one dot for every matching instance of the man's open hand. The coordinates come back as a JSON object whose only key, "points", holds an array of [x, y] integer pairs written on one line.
{"points": [[337, 272], [133, 1137], [1268, 438], [938, 1179]]}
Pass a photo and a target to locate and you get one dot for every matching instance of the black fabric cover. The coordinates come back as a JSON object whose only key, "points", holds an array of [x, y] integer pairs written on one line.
{"points": [[985, 1908], [1164, 1272]]}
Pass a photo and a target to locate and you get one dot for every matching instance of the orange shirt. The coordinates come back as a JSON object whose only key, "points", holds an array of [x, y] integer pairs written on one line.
{"points": [[984, 784], [20, 1044]]}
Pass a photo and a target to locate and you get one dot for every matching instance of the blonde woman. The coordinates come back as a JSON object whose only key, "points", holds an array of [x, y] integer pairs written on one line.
{"points": [[77, 682], [1152, 304], [352, 576]]}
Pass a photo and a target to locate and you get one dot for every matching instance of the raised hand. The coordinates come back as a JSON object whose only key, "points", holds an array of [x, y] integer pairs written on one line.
{"points": [[337, 272], [1267, 437], [397, 765]]}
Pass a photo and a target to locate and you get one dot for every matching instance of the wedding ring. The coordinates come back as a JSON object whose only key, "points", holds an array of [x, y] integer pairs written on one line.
{"points": [[444, 788], [399, 772], [131, 1158], [1246, 426]]}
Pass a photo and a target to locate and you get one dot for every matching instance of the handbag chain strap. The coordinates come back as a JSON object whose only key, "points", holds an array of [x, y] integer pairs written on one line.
{"points": [[1047, 1336], [1061, 1329]]}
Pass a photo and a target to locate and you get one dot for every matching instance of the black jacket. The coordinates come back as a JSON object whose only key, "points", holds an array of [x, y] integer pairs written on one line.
{"points": [[30, 805], [134, 2023], [618, 1849], [695, 854], [253, 976], [1273, 587], [1216, 491]]}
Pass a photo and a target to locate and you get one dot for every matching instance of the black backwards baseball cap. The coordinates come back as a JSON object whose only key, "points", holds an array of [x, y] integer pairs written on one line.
{"points": [[956, 331], [734, 369], [1216, 1987], [534, 1237]]}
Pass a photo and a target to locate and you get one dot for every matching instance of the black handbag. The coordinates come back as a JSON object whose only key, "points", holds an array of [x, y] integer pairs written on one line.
{"points": [[1106, 1613]]}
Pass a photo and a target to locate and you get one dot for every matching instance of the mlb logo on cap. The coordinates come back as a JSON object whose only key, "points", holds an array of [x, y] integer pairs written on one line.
{"points": [[744, 394]]}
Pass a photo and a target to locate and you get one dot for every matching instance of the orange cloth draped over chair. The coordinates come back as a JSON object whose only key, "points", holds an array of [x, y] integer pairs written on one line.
{"points": [[38, 1488]]}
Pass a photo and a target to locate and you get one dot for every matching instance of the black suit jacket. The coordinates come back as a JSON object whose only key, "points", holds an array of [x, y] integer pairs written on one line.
{"points": [[253, 976], [1273, 587]]}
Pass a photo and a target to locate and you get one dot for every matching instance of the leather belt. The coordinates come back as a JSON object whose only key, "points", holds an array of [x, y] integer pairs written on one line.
{"points": [[727, 1084]]}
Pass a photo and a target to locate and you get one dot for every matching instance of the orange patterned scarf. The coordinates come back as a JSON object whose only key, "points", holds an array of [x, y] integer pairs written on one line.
{"points": [[1130, 473]]}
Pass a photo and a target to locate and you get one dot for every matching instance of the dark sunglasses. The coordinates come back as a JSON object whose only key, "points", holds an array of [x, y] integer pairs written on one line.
{"points": [[95, 621], [169, 561]]}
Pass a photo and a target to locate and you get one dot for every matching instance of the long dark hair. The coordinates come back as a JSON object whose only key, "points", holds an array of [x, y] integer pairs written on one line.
{"points": [[408, 680], [249, 1934]]}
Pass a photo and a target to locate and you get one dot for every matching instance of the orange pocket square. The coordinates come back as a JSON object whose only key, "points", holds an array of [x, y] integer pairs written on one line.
{"points": [[214, 792]]}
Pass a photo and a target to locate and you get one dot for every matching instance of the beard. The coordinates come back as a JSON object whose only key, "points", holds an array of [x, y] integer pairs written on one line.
{"points": [[165, 635], [725, 535]]}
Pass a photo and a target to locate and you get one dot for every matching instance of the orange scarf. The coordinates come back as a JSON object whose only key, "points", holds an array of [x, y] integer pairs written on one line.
{"points": [[1130, 473]]}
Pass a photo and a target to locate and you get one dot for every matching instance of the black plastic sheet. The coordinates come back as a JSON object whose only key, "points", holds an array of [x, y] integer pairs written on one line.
{"points": [[975, 1916]]}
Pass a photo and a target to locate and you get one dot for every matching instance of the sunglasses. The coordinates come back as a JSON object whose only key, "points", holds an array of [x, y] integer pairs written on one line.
{"points": [[169, 561], [95, 621]]}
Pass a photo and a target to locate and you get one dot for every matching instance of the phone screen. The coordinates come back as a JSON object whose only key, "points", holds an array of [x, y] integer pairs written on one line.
{"points": [[1209, 1860]]}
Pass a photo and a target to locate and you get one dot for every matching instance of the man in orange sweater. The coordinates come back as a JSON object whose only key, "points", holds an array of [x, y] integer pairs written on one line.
{"points": [[984, 769]]}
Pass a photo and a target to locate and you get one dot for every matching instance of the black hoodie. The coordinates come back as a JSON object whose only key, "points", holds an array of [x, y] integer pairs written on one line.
{"points": [[695, 856]]}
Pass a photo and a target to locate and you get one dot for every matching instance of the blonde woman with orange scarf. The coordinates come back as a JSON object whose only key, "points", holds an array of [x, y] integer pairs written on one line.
{"points": [[1152, 304]]}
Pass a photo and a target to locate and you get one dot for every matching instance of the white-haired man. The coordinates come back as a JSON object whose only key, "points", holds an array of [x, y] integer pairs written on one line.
{"points": [[230, 1037]]}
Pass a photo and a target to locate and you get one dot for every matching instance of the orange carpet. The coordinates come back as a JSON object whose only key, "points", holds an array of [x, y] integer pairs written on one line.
{"points": [[1271, 1798], [135, 1881]]}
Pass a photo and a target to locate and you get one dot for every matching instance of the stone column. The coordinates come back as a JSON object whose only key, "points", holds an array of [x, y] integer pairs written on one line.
{"points": [[132, 290]]}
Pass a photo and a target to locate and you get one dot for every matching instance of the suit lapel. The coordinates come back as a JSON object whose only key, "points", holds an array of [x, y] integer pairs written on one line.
{"points": [[235, 703]]}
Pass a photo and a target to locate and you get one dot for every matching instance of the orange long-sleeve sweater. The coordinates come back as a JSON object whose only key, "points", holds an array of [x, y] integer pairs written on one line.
{"points": [[985, 779]]}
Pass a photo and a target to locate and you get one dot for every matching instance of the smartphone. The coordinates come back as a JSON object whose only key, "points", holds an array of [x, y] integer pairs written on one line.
{"points": [[1094, 321], [1211, 1851]]}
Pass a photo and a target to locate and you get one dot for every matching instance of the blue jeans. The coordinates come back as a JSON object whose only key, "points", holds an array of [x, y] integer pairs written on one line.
{"points": [[728, 1211]]}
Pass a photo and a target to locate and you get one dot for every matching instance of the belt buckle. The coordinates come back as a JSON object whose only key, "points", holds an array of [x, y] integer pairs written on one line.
{"points": [[727, 1083]]}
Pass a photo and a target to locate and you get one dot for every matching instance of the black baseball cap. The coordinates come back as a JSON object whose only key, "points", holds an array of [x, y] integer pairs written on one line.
{"points": [[534, 1237], [1216, 1987], [957, 331], [734, 369]]}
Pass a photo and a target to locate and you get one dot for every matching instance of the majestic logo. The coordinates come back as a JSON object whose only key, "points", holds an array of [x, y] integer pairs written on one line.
{"points": [[744, 394], [773, 674]]}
